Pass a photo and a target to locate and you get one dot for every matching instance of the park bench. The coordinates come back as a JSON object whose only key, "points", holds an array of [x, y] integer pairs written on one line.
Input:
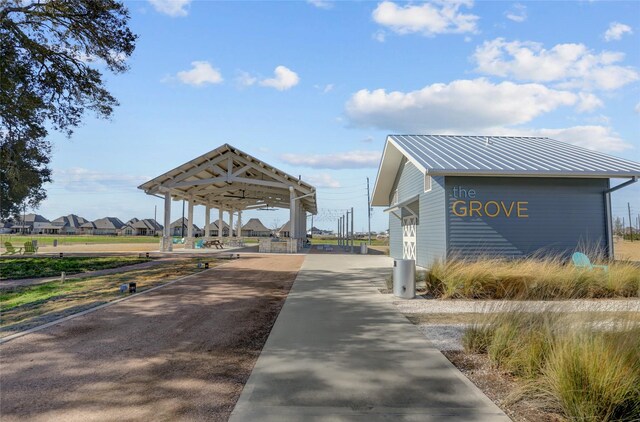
{"points": [[10, 250], [29, 248], [581, 260]]}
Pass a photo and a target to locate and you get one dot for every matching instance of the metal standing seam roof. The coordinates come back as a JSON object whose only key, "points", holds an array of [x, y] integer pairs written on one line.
{"points": [[508, 155]]}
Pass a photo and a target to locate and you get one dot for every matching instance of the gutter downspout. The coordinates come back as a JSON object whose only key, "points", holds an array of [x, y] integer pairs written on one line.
{"points": [[607, 204]]}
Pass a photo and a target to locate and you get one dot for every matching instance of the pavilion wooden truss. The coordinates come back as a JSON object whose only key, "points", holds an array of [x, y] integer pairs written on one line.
{"points": [[231, 181]]}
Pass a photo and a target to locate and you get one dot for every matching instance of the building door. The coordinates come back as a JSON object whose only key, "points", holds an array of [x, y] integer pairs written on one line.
{"points": [[409, 225]]}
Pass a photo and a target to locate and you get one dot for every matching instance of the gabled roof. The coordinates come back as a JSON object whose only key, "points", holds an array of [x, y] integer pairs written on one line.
{"points": [[132, 221], [285, 227], [182, 222], [215, 224], [147, 223], [32, 218], [255, 225], [506, 156], [70, 220], [229, 178], [107, 223]]}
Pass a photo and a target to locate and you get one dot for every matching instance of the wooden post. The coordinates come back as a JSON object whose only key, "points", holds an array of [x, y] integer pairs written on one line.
{"points": [[166, 239], [207, 220], [219, 224]]}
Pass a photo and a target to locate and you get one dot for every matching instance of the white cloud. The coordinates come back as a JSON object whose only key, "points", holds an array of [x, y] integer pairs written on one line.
{"points": [[379, 36], [324, 89], [284, 78], [517, 13], [202, 73], [246, 79], [568, 65], [341, 160], [322, 180], [616, 31], [588, 102], [171, 7], [321, 4], [595, 137], [78, 179], [459, 105], [440, 17]]}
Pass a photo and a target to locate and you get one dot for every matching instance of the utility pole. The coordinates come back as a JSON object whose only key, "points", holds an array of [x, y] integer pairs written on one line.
{"points": [[630, 221], [369, 211], [155, 213], [352, 239]]}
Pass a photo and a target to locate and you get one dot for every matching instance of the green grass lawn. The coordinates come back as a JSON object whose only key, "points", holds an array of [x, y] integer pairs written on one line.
{"points": [[13, 268], [18, 240]]}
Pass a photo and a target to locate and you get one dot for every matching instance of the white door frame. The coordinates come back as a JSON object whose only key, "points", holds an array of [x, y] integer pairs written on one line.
{"points": [[409, 231]]}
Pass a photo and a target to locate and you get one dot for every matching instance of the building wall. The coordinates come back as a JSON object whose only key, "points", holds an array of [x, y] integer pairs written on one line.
{"points": [[432, 228], [558, 215]]}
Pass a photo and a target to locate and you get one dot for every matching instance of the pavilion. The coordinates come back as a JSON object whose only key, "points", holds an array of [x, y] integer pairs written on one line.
{"points": [[232, 181]]}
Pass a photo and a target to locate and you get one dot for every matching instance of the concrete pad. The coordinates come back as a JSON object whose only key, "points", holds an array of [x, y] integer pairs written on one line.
{"points": [[340, 351]]}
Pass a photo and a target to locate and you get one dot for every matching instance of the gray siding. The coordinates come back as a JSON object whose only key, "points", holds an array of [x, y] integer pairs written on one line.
{"points": [[563, 215], [409, 182], [395, 237], [432, 227], [431, 230]]}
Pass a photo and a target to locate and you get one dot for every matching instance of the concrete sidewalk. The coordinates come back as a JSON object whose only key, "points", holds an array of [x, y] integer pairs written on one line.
{"points": [[340, 351]]}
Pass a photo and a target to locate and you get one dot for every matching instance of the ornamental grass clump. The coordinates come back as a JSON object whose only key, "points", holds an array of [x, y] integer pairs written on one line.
{"points": [[595, 376], [536, 278], [585, 368]]}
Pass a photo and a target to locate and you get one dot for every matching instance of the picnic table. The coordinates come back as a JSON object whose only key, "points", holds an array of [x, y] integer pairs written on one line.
{"points": [[213, 244]]}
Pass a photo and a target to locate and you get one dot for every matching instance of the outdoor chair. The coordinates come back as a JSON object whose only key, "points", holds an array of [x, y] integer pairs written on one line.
{"points": [[581, 260], [198, 244], [29, 248], [10, 250]]}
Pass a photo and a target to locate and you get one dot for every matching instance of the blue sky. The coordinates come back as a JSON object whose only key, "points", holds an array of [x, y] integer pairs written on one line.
{"points": [[314, 87]]}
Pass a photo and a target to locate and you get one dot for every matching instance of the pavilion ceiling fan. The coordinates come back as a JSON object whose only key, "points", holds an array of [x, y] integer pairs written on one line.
{"points": [[239, 196]]}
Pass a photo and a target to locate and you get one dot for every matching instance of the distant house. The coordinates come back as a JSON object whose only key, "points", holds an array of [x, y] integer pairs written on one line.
{"points": [[103, 226], [255, 228], [213, 229], [68, 224], [146, 227], [32, 224], [180, 228], [284, 230], [319, 232]]}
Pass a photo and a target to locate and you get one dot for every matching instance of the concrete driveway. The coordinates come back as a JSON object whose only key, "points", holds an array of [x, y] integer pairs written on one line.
{"points": [[340, 351]]}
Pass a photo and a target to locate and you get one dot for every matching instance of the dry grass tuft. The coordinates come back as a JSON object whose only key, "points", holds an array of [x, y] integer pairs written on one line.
{"points": [[533, 279], [587, 369]]}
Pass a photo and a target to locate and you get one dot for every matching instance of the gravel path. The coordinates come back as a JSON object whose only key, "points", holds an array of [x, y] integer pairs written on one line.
{"points": [[436, 306], [182, 352]]}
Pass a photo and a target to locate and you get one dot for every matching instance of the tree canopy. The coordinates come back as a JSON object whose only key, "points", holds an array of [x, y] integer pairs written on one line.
{"points": [[50, 76]]}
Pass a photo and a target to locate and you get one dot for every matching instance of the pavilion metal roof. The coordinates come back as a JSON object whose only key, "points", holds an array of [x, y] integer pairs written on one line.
{"points": [[454, 155], [229, 178]]}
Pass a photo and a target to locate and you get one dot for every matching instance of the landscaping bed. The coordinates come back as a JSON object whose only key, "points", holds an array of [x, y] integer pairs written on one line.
{"points": [[24, 307], [33, 267], [530, 279], [579, 367]]}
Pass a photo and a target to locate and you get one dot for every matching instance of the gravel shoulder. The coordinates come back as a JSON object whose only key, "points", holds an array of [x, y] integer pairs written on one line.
{"points": [[182, 352]]}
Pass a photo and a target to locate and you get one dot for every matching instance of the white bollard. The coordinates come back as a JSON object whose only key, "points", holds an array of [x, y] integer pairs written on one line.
{"points": [[63, 276]]}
